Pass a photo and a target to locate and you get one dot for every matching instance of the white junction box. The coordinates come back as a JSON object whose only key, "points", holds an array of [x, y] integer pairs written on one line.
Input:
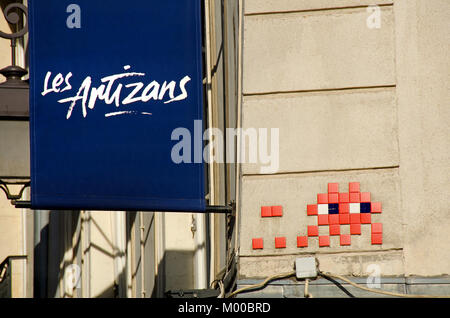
{"points": [[305, 267]]}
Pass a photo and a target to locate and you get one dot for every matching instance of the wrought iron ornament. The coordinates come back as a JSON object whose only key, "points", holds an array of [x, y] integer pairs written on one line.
{"points": [[13, 18], [14, 73]]}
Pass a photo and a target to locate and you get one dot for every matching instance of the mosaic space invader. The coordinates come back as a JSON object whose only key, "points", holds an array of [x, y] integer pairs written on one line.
{"points": [[333, 210]]}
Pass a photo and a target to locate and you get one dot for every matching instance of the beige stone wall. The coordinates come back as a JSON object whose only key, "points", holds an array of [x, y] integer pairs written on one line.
{"points": [[352, 103], [317, 50], [423, 76], [179, 251], [102, 249], [274, 6], [11, 242], [328, 130], [10, 229]]}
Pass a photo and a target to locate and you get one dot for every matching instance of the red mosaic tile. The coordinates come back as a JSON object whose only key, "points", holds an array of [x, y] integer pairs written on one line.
{"points": [[365, 196], [355, 197], [333, 219], [335, 229], [365, 218], [353, 187], [344, 197], [324, 241], [344, 218], [375, 207], [333, 198], [355, 218], [333, 187], [302, 241], [377, 228], [345, 239], [377, 238], [280, 242], [277, 211], [311, 209], [322, 198], [344, 208], [257, 243], [355, 229], [322, 219], [266, 211], [313, 230]]}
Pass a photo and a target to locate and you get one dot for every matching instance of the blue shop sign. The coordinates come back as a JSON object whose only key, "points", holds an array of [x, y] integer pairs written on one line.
{"points": [[109, 83]]}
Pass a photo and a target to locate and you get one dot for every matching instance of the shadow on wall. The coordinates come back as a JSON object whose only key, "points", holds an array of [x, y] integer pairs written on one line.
{"points": [[175, 271], [178, 269], [58, 237], [111, 291], [40, 264], [55, 239], [62, 232]]}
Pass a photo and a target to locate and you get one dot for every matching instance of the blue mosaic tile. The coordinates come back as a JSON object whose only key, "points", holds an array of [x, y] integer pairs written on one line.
{"points": [[333, 208], [365, 207]]}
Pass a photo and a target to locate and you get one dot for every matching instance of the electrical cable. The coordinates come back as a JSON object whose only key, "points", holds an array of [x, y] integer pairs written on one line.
{"points": [[307, 293], [377, 290], [328, 275], [262, 284], [222, 289]]}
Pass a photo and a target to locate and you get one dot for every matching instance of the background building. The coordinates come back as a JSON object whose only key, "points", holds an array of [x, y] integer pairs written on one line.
{"points": [[359, 93], [120, 254]]}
